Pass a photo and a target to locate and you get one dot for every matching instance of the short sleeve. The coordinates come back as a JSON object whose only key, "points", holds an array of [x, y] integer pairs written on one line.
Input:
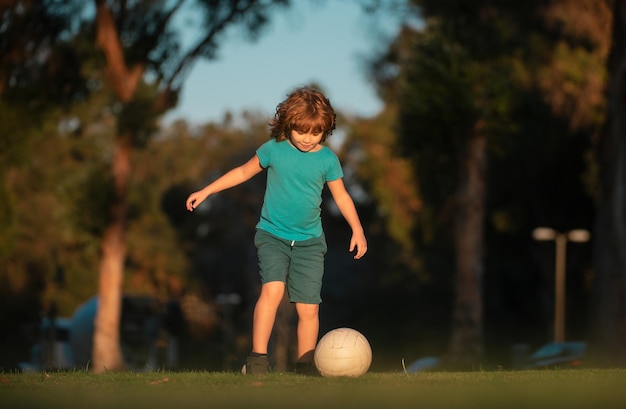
{"points": [[264, 153], [334, 169]]}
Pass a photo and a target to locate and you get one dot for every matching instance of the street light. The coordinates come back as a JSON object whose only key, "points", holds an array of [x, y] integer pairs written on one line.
{"points": [[560, 239]]}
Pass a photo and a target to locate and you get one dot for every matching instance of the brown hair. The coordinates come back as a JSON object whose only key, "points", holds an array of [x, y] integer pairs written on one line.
{"points": [[304, 110]]}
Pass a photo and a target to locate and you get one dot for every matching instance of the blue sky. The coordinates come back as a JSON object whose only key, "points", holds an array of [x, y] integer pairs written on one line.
{"points": [[322, 41]]}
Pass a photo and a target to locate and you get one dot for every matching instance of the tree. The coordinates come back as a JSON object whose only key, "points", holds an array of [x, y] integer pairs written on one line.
{"points": [[582, 83], [34, 92], [135, 39], [609, 314], [456, 98], [466, 80], [32, 83]]}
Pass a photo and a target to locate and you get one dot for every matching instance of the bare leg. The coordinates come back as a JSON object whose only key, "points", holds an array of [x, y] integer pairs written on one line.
{"points": [[265, 315], [308, 330]]}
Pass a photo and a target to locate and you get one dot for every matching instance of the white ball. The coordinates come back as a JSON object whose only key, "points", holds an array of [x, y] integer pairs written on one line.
{"points": [[343, 352]]}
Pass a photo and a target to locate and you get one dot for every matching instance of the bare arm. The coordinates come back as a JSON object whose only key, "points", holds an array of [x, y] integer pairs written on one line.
{"points": [[348, 210], [230, 179]]}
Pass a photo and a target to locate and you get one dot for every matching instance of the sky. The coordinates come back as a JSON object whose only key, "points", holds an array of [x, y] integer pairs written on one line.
{"points": [[323, 41]]}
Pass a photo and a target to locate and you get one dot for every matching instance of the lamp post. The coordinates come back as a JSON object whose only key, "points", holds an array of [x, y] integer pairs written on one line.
{"points": [[560, 239]]}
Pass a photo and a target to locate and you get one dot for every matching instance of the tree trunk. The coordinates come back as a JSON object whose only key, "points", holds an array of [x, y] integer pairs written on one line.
{"points": [[283, 332], [107, 354], [609, 297], [466, 346]]}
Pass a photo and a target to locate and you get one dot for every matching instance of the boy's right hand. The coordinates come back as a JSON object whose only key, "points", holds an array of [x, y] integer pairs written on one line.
{"points": [[194, 200]]}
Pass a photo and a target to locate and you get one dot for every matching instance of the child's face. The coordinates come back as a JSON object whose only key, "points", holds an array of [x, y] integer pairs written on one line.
{"points": [[306, 141]]}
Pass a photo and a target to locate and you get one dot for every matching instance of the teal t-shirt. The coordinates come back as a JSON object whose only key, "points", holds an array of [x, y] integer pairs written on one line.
{"points": [[293, 195]]}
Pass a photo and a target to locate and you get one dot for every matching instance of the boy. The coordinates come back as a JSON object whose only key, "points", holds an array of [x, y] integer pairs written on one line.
{"points": [[290, 241]]}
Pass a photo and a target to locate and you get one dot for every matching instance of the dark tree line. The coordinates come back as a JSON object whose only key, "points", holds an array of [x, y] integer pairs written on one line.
{"points": [[499, 107]]}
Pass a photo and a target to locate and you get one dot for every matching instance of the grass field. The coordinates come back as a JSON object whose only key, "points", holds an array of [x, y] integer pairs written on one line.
{"points": [[581, 388]]}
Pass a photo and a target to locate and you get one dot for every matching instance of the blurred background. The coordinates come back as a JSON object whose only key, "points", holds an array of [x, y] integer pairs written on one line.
{"points": [[483, 143]]}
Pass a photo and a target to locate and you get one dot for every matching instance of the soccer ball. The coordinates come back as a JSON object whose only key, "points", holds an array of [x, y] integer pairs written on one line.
{"points": [[343, 352]]}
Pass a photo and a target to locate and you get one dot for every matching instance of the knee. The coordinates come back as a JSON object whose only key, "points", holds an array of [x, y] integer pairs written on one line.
{"points": [[307, 311], [273, 291]]}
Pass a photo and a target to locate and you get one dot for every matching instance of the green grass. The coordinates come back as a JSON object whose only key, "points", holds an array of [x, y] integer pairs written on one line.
{"points": [[583, 388]]}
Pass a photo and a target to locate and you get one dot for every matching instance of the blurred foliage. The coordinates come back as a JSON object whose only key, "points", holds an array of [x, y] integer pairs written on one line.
{"points": [[531, 74], [388, 178]]}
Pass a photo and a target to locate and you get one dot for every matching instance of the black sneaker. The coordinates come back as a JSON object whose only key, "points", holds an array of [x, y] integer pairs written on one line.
{"points": [[256, 365], [307, 368]]}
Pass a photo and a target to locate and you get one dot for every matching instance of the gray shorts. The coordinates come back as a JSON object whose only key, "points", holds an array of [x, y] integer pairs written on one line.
{"points": [[298, 264]]}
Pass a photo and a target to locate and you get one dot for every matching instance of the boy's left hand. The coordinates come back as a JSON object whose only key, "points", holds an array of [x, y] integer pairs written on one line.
{"points": [[359, 242]]}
